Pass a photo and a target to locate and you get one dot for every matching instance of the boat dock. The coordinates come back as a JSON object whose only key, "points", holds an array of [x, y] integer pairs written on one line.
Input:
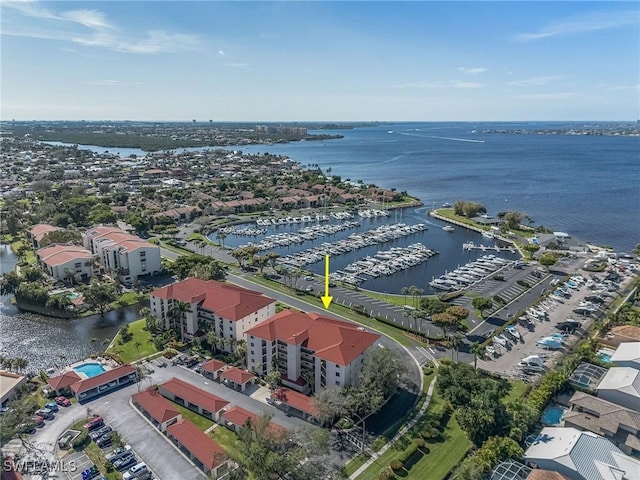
{"points": [[473, 246]]}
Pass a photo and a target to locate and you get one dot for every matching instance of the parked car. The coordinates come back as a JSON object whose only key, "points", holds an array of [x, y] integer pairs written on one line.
{"points": [[118, 453], [105, 440], [124, 462], [63, 401], [94, 423], [38, 421], [53, 406], [90, 473], [46, 413], [96, 434], [138, 472]]}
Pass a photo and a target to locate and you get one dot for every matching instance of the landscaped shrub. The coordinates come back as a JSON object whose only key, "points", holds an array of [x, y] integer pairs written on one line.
{"points": [[498, 299], [419, 442], [395, 465], [386, 474], [81, 441], [524, 284]]}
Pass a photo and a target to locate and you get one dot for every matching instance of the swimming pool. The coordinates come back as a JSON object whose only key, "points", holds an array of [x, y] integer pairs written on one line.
{"points": [[553, 415], [90, 369], [605, 354]]}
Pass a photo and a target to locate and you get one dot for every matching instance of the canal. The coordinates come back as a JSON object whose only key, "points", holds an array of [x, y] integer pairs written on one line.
{"points": [[49, 342]]}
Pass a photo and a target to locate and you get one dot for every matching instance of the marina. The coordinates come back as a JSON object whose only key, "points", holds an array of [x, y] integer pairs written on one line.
{"points": [[464, 277], [473, 246]]}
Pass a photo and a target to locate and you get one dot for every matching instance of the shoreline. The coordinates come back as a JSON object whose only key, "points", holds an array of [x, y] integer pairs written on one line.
{"points": [[434, 213]]}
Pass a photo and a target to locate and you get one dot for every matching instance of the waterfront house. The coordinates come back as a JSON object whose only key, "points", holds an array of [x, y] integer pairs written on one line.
{"points": [[619, 424], [9, 383], [37, 233], [122, 254], [61, 384], [64, 262], [207, 454], [194, 398], [156, 408], [227, 309], [311, 352], [580, 455], [627, 355], [621, 385]]}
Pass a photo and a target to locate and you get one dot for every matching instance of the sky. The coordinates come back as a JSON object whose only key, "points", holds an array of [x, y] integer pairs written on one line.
{"points": [[320, 61]]}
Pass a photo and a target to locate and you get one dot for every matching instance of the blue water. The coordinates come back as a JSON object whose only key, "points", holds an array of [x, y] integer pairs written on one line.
{"points": [[90, 369], [585, 185], [553, 415], [605, 357]]}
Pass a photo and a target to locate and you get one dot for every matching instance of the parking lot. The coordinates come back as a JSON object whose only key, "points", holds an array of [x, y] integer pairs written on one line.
{"points": [[506, 359]]}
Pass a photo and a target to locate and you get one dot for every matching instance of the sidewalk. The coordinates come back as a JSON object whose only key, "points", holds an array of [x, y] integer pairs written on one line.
{"points": [[398, 435]]}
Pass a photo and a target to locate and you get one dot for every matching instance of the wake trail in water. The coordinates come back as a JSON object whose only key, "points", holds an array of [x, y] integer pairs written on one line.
{"points": [[442, 138]]}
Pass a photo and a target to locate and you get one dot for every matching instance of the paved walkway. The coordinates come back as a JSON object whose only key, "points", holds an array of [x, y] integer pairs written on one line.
{"points": [[398, 435]]}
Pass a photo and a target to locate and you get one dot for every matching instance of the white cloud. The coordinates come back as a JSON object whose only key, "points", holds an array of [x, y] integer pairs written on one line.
{"points": [[88, 18], [548, 96], [459, 84], [535, 81], [440, 84], [472, 71], [102, 34], [221, 53], [590, 22]]}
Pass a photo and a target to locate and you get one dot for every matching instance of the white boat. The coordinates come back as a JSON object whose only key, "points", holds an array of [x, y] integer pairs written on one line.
{"points": [[448, 228], [531, 361]]}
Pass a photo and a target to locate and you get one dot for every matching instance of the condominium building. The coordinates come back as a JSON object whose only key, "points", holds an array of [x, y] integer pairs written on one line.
{"points": [[66, 262], [227, 309], [311, 352], [122, 254]]}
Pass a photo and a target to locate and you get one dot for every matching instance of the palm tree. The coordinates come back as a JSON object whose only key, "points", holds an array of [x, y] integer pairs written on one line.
{"points": [[478, 351], [177, 314], [404, 291], [221, 236]]}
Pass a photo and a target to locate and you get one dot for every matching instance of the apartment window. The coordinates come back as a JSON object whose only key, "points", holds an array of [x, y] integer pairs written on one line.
{"points": [[251, 352], [337, 374], [337, 382]]}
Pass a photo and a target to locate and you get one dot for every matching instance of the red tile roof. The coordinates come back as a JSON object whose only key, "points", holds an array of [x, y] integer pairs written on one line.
{"points": [[160, 409], [237, 375], [41, 229], [213, 365], [103, 378], [333, 340], [295, 399], [55, 255], [195, 395], [200, 445], [239, 416], [65, 380], [118, 237], [227, 301]]}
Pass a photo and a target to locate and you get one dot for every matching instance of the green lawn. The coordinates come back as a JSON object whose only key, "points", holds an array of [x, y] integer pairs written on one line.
{"points": [[140, 346], [444, 454], [400, 300], [198, 420], [518, 390]]}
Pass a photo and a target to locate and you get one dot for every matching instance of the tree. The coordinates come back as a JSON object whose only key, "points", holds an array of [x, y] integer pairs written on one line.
{"points": [[513, 219], [433, 305], [460, 313], [99, 294], [273, 378], [176, 314], [220, 235], [445, 320], [267, 453], [9, 282], [62, 236], [482, 304], [381, 374], [331, 404], [478, 351], [239, 254]]}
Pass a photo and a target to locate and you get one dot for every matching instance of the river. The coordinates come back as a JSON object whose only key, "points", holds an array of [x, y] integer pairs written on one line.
{"points": [[49, 342]]}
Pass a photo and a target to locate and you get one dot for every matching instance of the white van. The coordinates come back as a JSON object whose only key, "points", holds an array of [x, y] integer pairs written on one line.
{"points": [[138, 471]]}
